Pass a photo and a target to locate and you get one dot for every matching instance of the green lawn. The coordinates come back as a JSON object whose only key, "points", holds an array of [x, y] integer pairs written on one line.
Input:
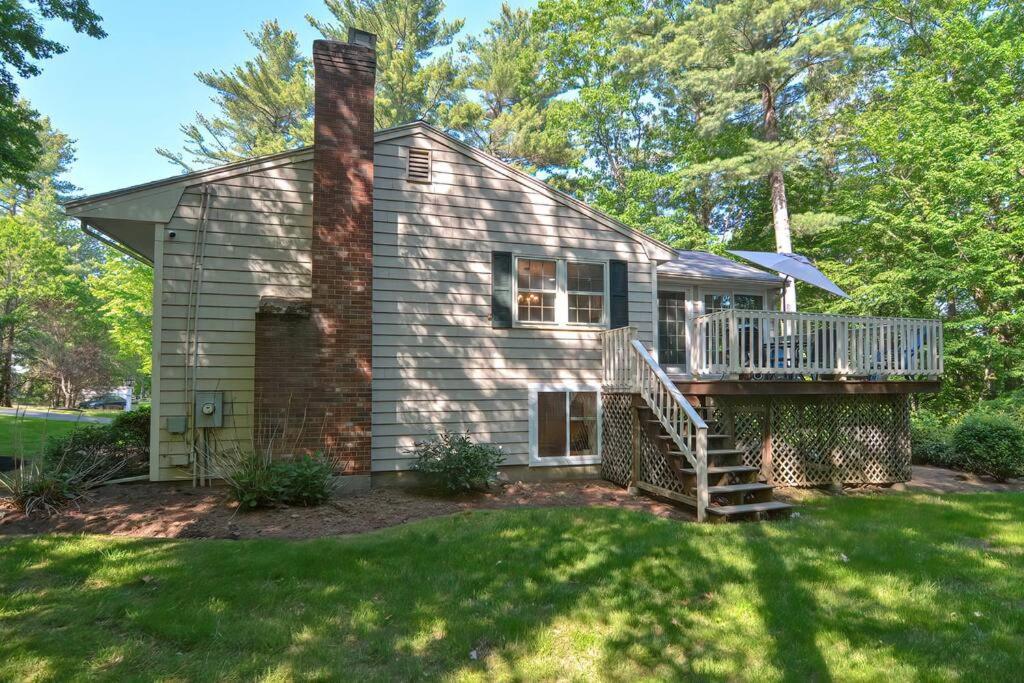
{"points": [[24, 437], [91, 412], [902, 587]]}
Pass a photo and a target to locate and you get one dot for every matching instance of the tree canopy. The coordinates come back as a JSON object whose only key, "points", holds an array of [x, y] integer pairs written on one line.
{"points": [[880, 138], [23, 44]]}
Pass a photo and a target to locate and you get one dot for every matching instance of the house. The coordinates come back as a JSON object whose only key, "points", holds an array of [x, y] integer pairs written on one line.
{"points": [[368, 292]]}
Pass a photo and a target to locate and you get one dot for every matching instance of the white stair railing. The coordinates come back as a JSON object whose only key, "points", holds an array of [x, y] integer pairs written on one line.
{"points": [[629, 367]]}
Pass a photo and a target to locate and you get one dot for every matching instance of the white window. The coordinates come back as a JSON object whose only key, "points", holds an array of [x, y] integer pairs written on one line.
{"points": [[537, 291], [561, 292], [721, 301], [565, 425]]}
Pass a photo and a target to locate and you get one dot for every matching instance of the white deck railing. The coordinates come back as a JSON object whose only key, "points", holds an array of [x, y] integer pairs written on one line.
{"points": [[629, 367], [774, 343]]}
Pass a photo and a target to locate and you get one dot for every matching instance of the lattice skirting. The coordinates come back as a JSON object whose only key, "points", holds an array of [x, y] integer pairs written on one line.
{"points": [[824, 439], [617, 447], [616, 437]]}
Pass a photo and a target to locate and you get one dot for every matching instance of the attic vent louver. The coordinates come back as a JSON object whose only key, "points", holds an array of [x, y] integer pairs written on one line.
{"points": [[419, 165]]}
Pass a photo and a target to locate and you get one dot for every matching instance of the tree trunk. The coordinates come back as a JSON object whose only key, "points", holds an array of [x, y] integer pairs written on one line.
{"points": [[780, 207], [7, 366]]}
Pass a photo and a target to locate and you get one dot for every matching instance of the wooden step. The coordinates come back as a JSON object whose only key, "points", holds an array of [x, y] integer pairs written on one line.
{"points": [[713, 452], [710, 436], [748, 508], [725, 469], [740, 488], [646, 408]]}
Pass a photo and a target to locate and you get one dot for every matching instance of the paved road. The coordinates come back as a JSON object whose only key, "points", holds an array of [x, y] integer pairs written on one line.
{"points": [[55, 415]]}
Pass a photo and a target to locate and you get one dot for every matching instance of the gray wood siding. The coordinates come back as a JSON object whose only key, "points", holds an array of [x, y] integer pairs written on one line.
{"points": [[437, 362], [258, 239]]}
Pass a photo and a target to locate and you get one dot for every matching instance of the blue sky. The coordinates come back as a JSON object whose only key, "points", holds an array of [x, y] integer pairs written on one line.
{"points": [[125, 95]]}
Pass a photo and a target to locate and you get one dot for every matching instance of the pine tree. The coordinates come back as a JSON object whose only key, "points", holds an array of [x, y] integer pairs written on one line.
{"points": [[758, 60], [413, 80], [265, 105], [507, 117]]}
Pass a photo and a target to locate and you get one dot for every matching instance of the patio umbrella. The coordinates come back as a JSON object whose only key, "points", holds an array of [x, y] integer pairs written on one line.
{"points": [[794, 265]]}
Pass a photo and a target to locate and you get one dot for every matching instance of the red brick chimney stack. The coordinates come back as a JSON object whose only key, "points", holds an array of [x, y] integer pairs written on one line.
{"points": [[342, 249]]}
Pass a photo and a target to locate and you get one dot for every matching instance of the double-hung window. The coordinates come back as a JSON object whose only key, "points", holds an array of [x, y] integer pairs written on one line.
{"points": [[561, 292]]}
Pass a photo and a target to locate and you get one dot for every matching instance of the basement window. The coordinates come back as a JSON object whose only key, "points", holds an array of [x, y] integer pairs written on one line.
{"points": [[419, 165], [565, 425]]}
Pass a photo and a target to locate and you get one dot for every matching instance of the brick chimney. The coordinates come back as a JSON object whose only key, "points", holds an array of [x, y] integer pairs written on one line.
{"points": [[341, 307]]}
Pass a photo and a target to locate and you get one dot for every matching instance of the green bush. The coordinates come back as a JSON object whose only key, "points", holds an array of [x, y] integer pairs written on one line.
{"points": [[990, 444], [258, 481], [124, 442], [130, 429], [457, 463], [931, 441], [306, 481]]}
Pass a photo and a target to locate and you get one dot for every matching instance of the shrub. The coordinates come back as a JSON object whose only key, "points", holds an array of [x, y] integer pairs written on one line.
{"points": [[306, 481], [457, 463], [256, 480], [124, 442], [990, 444], [930, 441], [130, 430]]}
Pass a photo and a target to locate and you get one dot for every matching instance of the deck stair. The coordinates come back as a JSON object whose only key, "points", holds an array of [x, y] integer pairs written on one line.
{"points": [[735, 491], [679, 449]]}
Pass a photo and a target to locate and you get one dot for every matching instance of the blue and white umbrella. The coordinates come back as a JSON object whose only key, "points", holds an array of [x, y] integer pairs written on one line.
{"points": [[793, 265]]}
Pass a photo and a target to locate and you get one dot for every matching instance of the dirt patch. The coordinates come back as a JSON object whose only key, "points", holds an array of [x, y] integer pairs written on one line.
{"points": [[180, 511], [940, 480]]}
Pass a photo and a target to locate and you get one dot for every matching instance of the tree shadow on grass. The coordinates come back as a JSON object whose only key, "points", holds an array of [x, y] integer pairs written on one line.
{"points": [[532, 593]]}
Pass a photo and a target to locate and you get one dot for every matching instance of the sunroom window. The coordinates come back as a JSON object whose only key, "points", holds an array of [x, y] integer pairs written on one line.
{"points": [[560, 292]]}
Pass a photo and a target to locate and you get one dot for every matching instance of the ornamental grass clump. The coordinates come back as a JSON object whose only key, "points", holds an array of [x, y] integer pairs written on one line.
{"points": [[50, 487], [457, 463]]}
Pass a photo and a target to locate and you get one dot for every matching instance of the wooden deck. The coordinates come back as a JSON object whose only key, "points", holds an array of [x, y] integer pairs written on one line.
{"points": [[773, 387]]}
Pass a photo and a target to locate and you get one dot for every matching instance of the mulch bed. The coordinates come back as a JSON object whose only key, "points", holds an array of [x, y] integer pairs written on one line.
{"points": [[180, 511]]}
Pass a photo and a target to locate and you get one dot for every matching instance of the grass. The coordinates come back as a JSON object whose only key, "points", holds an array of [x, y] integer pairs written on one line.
{"points": [[25, 437], [901, 587], [90, 412]]}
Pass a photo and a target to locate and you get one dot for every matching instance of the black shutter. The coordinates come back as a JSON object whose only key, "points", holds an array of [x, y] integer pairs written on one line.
{"points": [[618, 281], [501, 289]]}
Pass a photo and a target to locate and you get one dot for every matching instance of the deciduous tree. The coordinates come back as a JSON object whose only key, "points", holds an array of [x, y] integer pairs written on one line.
{"points": [[22, 45]]}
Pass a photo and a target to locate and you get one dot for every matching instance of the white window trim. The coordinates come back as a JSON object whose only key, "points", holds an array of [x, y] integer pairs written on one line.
{"points": [[535, 459], [561, 295]]}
